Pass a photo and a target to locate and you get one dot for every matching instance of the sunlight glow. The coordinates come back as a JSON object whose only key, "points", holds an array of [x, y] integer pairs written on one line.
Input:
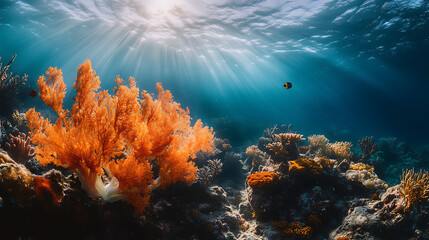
{"points": [[162, 6]]}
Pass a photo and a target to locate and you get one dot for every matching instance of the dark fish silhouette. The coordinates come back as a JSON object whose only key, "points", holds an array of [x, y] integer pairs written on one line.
{"points": [[288, 85], [33, 93]]}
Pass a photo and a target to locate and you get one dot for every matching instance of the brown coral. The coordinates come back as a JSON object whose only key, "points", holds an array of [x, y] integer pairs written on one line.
{"points": [[284, 146], [414, 187], [305, 166], [262, 179], [119, 133], [19, 148]]}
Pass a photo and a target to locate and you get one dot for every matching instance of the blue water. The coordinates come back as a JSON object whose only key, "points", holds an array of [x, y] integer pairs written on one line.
{"points": [[357, 67]]}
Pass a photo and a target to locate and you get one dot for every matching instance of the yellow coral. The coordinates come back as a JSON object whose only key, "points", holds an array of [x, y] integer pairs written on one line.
{"points": [[304, 165], [414, 187], [119, 133], [362, 166], [341, 149], [262, 179]]}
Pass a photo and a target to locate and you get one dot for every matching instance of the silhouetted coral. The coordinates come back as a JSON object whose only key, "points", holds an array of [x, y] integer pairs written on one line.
{"points": [[8, 86], [118, 134], [368, 147], [19, 148]]}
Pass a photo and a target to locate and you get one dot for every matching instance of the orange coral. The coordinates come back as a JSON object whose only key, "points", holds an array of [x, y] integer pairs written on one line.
{"points": [[44, 191], [296, 231], [118, 133], [303, 165], [262, 179], [343, 238]]}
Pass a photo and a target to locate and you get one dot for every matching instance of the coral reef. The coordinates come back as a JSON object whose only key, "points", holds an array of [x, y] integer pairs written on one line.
{"points": [[118, 134], [383, 218], [314, 193], [8, 87], [414, 187], [19, 148], [368, 148], [394, 155]]}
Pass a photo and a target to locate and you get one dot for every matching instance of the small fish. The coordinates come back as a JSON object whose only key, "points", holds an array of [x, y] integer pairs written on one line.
{"points": [[288, 85], [33, 93]]}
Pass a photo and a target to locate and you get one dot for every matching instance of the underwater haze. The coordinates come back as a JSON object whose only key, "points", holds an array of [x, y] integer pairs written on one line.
{"points": [[357, 67]]}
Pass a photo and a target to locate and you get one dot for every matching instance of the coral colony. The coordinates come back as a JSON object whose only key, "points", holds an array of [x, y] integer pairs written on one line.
{"points": [[120, 135], [135, 158]]}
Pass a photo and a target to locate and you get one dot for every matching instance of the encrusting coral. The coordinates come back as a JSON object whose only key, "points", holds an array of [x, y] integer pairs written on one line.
{"points": [[414, 187], [262, 179], [118, 134], [305, 166]]}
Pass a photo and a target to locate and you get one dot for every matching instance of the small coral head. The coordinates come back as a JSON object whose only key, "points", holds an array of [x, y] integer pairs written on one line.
{"points": [[262, 180]]}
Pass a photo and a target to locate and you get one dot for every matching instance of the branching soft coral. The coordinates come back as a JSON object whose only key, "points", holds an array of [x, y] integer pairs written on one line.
{"points": [[121, 134]]}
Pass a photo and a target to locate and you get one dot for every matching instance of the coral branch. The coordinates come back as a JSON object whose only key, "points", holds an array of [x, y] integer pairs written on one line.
{"points": [[118, 134], [19, 148]]}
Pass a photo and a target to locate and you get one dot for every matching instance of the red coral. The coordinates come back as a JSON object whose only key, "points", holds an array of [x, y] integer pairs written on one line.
{"points": [[120, 133]]}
